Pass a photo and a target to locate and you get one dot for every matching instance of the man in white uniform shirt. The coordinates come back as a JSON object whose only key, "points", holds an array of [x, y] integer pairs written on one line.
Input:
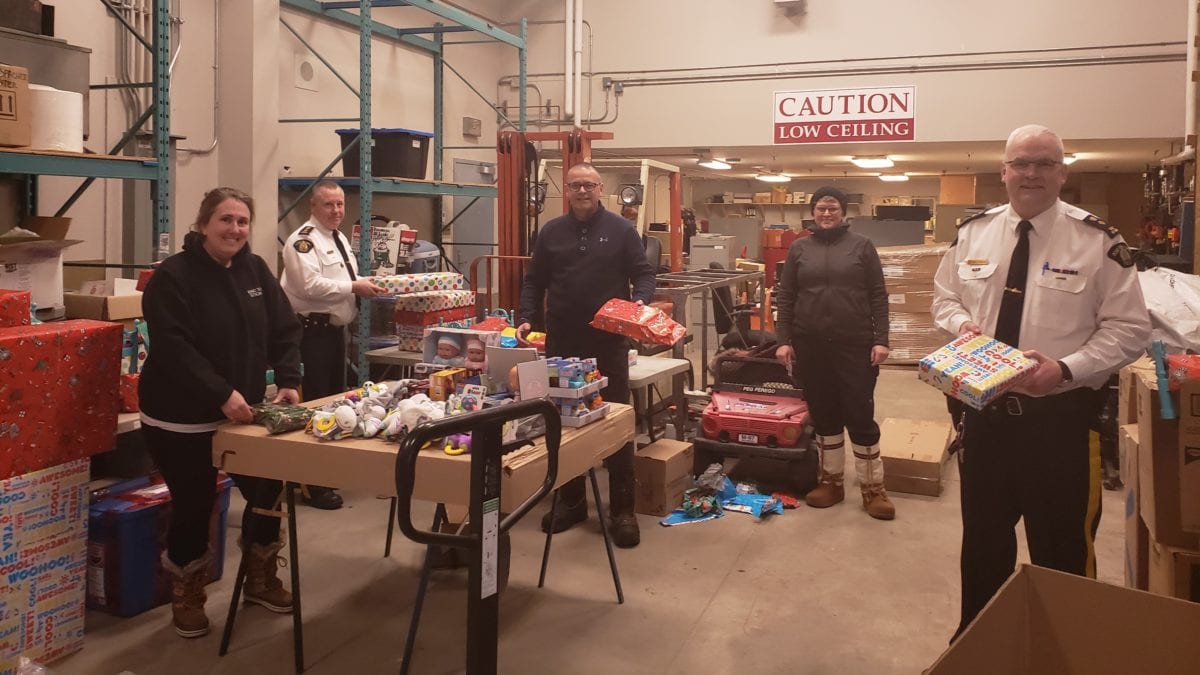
{"points": [[1077, 309], [320, 278]]}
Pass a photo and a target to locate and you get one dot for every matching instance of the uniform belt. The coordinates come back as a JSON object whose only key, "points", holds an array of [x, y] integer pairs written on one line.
{"points": [[1020, 405], [315, 319]]}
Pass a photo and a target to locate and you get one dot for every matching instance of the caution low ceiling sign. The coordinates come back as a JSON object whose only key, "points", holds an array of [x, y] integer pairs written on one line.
{"points": [[845, 115]]}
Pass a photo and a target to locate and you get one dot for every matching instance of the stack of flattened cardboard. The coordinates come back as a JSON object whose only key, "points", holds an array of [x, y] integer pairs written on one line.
{"points": [[908, 272]]}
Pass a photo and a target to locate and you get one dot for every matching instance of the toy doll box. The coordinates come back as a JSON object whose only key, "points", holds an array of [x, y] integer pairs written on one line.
{"points": [[127, 533], [60, 393], [459, 337], [43, 563], [975, 369]]}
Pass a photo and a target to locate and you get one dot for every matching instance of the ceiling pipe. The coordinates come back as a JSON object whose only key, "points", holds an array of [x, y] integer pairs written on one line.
{"points": [[1190, 88], [577, 41], [569, 60]]}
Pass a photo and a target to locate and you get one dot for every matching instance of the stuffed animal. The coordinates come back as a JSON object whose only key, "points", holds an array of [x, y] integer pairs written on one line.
{"points": [[457, 444]]}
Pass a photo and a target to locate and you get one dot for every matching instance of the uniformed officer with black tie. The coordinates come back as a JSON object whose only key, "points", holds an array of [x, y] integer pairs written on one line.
{"points": [[320, 278], [1055, 281]]}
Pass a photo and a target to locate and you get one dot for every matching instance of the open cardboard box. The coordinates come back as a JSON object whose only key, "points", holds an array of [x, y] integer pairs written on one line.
{"points": [[1044, 621], [111, 300]]}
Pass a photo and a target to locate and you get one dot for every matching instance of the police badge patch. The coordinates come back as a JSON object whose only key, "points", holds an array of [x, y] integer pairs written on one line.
{"points": [[304, 245], [1121, 253]]}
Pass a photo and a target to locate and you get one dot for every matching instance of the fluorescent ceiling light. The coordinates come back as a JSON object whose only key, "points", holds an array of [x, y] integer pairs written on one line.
{"points": [[773, 178], [713, 164], [872, 162], [1069, 158], [893, 177]]}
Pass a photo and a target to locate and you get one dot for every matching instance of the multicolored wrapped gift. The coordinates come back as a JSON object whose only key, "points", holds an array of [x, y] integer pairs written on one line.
{"points": [[14, 308], [975, 369], [60, 393], [281, 417], [640, 322], [403, 284], [432, 301]]}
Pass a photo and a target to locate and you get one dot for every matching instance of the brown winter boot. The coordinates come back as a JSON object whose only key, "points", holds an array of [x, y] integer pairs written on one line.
{"points": [[263, 587], [187, 595], [829, 490], [869, 467]]}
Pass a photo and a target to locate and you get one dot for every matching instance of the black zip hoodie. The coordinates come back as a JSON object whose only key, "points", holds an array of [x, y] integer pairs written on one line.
{"points": [[214, 329], [832, 288]]}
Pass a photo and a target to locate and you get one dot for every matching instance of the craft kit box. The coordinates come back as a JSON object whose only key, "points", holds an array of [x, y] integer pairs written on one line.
{"points": [[43, 562], [975, 369], [127, 533], [60, 397]]}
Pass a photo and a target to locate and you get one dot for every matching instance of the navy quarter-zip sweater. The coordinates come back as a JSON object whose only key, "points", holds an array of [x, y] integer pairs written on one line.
{"points": [[214, 329], [832, 288], [578, 266]]}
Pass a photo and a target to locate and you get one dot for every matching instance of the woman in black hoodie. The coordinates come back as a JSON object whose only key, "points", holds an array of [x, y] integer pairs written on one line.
{"points": [[217, 320], [833, 324]]}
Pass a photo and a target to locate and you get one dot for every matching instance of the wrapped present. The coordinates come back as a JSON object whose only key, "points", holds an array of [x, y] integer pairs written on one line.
{"points": [[640, 322], [975, 369], [281, 417], [404, 284], [60, 401], [14, 308], [434, 318], [1182, 367], [128, 391], [411, 344], [43, 561], [431, 301]]}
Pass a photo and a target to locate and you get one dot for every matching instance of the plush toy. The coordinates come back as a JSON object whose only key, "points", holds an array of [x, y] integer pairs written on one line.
{"points": [[476, 355], [457, 444], [323, 425], [448, 350]]}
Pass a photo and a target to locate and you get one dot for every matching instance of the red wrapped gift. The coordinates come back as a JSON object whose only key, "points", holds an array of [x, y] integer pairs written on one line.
{"points": [[640, 322], [492, 324], [14, 308], [129, 392], [59, 393], [407, 317], [1182, 367]]}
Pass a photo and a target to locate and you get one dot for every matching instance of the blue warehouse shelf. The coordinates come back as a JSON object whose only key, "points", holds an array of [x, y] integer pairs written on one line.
{"points": [[400, 186], [46, 163]]}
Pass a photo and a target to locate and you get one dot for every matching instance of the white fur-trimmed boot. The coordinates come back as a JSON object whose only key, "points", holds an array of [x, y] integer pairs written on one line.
{"points": [[829, 490], [869, 467]]}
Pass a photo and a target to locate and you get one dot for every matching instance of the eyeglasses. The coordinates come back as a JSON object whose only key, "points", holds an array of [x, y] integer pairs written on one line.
{"points": [[582, 187], [1037, 164], [827, 209]]}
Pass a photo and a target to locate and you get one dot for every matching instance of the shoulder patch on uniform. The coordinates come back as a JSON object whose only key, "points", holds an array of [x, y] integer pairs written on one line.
{"points": [[302, 245], [1110, 230], [977, 216], [1121, 253], [304, 231]]}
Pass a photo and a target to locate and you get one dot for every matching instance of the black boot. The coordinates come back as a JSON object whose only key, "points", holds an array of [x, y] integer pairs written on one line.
{"points": [[625, 532], [570, 509], [321, 497]]}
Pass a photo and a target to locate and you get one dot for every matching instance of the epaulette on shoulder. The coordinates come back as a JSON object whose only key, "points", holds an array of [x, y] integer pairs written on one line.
{"points": [[304, 231], [977, 216], [1089, 219]]}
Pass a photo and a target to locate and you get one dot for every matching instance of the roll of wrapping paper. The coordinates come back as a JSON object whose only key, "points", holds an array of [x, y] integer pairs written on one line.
{"points": [[1165, 403]]}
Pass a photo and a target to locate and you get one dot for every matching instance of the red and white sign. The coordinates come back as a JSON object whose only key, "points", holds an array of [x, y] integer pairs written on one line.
{"points": [[845, 115]]}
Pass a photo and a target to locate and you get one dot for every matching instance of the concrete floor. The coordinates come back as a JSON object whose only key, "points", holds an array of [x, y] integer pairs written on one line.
{"points": [[811, 591]]}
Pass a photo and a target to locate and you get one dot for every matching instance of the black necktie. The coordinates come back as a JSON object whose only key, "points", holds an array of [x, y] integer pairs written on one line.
{"points": [[337, 239], [1008, 324]]}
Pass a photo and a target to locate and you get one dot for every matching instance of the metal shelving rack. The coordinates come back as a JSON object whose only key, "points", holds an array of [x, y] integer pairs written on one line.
{"points": [[33, 163], [459, 21]]}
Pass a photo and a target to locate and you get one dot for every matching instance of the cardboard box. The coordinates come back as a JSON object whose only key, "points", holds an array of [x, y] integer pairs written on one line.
{"points": [[761, 198], [1175, 572], [1137, 536], [43, 562], [662, 472], [910, 301], [60, 397], [15, 112], [1044, 621], [1169, 464], [779, 194], [103, 307], [914, 455]]}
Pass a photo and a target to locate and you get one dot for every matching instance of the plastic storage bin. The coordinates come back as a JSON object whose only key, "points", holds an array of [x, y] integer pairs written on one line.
{"points": [[127, 533], [398, 153]]}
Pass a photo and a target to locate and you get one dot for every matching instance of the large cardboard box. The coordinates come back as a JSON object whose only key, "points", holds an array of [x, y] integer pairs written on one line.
{"points": [[15, 113], [1169, 464], [914, 455], [60, 393], [662, 472], [103, 307], [1137, 536], [43, 562], [1044, 621], [1175, 572], [1127, 401]]}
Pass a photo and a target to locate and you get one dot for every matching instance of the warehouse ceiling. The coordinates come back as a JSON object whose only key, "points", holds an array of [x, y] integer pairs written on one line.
{"points": [[917, 159]]}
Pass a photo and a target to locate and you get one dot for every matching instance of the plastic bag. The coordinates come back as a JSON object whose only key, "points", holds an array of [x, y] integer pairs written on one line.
{"points": [[281, 417], [1173, 300], [757, 505]]}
